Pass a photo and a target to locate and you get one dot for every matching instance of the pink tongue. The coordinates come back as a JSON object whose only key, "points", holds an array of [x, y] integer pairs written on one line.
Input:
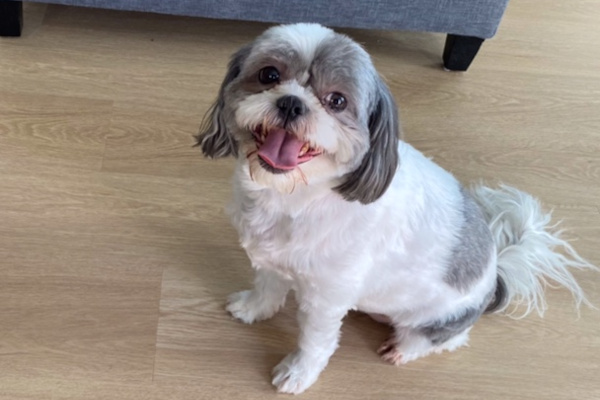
{"points": [[280, 149]]}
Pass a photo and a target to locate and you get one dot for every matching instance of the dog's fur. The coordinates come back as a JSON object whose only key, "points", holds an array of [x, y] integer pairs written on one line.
{"points": [[367, 223]]}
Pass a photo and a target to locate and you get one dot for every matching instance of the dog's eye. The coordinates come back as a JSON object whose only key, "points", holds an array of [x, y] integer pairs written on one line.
{"points": [[268, 75], [336, 101]]}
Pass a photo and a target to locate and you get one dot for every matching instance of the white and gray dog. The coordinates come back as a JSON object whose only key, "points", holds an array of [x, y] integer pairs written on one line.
{"points": [[329, 203]]}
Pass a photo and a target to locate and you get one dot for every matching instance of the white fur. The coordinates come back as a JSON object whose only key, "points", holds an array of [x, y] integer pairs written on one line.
{"points": [[529, 250], [303, 37], [389, 257]]}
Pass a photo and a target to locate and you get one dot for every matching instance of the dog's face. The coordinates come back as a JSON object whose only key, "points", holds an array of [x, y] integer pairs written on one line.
{"points": [[304, 105]]}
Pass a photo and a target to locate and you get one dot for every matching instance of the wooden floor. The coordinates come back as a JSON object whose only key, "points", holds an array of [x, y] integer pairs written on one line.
{"points": [[116, 256]]}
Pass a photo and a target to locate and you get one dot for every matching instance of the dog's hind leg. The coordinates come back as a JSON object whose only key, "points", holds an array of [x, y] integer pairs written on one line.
{"points": [[409, 343]]}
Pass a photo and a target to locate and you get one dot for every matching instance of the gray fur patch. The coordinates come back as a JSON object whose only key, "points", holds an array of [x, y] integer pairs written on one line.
{"points": [[471, 255], [340, 62], [371, 179], [341, 65], [441, 331], [500, 297], [214, 138], [288, 61]]}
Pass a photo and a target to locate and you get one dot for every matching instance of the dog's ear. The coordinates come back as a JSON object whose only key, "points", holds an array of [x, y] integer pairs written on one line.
{"points": [[375, 173], [215, 140]]}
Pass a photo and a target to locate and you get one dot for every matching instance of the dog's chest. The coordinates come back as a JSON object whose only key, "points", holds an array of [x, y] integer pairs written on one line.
{"points": [[276, 237]]}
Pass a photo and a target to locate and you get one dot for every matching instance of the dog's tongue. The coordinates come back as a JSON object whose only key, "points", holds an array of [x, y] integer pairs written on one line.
{"points": [[280, 149]]}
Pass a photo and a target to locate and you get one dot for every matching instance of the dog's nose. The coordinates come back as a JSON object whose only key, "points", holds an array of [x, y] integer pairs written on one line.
{"points": [[290, 107]]}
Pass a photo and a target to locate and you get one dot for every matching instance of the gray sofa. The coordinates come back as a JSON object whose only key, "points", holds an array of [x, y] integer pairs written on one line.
{"points": [[466, 22]]}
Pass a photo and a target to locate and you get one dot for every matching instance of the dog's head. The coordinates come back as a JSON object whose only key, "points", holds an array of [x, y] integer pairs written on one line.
{"points": [[303, 105]]}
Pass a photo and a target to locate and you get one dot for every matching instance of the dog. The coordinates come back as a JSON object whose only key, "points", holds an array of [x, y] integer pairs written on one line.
{"points": [[331, 204]]}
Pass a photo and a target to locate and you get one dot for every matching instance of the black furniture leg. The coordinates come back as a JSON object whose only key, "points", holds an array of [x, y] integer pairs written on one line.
{"points": [[460, 51], [11, 18]]}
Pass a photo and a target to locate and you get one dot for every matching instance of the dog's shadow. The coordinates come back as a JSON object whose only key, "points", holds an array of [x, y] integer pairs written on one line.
{"points": [[361, 329]]}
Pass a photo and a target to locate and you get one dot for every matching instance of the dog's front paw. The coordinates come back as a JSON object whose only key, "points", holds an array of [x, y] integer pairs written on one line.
{"points": [[295, 373], [248, 307]]}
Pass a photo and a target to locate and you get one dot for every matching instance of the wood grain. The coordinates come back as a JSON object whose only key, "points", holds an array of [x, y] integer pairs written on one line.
{"points": [[116, 256]]}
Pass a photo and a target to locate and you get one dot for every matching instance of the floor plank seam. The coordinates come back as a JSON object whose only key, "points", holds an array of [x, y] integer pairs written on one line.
{"points": [[162, 279]]}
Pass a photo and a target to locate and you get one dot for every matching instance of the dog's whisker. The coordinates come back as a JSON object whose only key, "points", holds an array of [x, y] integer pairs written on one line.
{"points": [[293, 179], [250, 168], [303, 176]]}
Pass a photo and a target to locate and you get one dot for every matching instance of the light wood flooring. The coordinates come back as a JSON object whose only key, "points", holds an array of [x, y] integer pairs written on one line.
{"points": [[116, 256]]}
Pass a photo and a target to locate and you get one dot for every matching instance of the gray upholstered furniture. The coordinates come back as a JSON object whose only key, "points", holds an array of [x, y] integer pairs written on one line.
{"points": [[467, 22]]}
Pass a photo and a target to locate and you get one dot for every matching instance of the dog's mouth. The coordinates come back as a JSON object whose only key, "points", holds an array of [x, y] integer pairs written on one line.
{"points": [[281, 151]]}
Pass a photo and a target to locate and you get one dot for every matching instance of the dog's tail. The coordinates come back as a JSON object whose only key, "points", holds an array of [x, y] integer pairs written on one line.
{"points": [[531, 253]]}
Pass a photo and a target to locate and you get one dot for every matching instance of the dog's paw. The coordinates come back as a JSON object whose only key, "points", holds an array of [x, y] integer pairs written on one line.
{"points": [[413, 346], [390, 352], [398, 352], [294, 374], [247, 307]]}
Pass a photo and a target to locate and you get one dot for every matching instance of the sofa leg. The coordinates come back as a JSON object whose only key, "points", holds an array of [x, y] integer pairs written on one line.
{"points": [[460, 51], [11, 18]]}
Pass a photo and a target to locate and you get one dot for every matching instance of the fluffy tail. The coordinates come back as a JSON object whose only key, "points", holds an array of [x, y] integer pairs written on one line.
{"points": [[530, 252]]}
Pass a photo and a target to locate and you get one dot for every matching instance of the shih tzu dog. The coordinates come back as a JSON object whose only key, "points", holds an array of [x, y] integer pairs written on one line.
{"points": [[331, 204]]}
